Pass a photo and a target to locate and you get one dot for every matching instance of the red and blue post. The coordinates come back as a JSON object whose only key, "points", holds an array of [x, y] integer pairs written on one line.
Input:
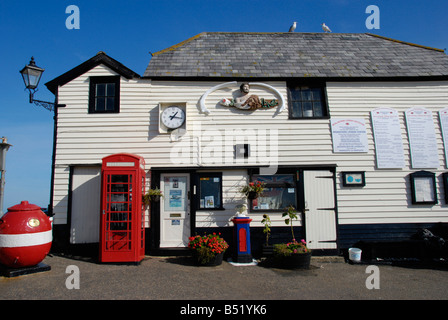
{"points": [[241, 240]]}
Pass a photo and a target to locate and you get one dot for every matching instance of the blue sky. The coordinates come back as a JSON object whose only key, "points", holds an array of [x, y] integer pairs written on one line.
{"points": [[128, 30]]}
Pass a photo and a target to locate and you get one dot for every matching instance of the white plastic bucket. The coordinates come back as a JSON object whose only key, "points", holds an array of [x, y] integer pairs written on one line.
{"points": [[354, 254]]}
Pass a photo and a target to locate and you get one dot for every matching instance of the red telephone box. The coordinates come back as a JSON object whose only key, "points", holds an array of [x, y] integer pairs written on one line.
{"points": [[122, 234]]}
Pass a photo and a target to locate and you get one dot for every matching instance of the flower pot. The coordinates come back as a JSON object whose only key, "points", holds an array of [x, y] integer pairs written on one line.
{"points": [[216, 261], [252, 195], [294, 261], [267, 251], [155, 198]]}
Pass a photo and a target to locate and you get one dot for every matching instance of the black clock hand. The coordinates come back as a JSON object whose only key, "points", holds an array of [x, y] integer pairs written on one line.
{"points": [[174, 115]]}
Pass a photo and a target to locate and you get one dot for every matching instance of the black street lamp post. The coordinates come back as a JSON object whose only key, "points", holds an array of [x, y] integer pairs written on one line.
{"points": [[31, 75]]}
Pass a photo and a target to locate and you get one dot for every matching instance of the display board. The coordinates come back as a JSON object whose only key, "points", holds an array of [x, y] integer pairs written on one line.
{"points": [[422, 138], [388, 141], [349, 135]]}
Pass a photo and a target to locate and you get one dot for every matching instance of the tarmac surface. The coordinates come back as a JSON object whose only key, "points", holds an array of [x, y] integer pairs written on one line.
{"points": [[177, 278]]}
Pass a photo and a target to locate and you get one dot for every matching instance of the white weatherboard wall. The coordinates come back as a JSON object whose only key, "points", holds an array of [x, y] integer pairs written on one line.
{"points": [[386, 198], [84, 139]]}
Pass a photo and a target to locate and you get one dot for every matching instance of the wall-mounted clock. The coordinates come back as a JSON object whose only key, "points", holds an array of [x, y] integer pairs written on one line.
{"points": [[173, 117]]}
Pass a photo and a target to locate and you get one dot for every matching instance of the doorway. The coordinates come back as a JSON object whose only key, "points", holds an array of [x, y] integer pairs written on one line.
{"points": [[320, 209], [175, 228]]}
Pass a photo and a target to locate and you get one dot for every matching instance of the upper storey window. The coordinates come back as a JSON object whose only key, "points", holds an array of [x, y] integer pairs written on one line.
{"points": [[104, 94], [307, 102]]}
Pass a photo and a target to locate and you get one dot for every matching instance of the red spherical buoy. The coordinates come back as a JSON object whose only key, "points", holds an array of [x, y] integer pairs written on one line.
{"points": [[25, 236]]}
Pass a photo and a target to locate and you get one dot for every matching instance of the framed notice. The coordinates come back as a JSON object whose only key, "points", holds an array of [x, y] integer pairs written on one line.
{"points": [[422, 138], [353, 179], [445, 185], [387, 136], [349, 135], [423, 187]]}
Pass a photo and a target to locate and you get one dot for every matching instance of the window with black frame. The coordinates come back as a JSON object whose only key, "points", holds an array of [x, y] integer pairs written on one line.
{"points": [[209, 191], [104, 94], [307, 102], [280, 191]]}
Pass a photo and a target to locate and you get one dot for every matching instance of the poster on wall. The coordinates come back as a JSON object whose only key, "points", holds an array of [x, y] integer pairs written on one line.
{"points": [[349, 135], [422, 138], [387, 136], [443, 117]]}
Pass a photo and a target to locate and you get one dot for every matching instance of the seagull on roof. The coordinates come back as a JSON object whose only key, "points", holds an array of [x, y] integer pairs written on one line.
{"points": [[293, 27], [325, 28]]}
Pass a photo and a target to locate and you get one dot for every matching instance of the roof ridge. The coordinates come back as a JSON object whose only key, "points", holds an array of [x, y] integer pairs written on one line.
{"points": [[179, 44], [404, 42]]}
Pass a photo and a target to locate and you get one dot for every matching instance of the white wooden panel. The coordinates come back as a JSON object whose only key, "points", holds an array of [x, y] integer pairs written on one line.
{"points": [[320, 215], [85, 213]]}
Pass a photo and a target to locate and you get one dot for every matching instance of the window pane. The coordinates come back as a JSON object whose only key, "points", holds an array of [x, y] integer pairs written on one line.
{"points": [[307, 109], [306, 95], [280, 192], [210, 192], [110, 89], [100, 104], [295, 94], [316, 94], [275, 199], [100, 90], [318, 112], [296, 110], [110, 104]]}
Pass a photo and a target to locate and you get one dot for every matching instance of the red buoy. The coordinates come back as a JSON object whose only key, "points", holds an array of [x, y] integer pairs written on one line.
{"points": [[25, 236]]}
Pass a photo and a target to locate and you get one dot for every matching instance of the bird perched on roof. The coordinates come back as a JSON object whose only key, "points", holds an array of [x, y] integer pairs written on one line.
{"points": [[325, 28], [293, 27]]}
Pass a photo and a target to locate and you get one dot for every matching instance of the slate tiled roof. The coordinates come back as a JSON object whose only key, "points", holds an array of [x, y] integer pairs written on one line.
{"points": [[296, 55]]}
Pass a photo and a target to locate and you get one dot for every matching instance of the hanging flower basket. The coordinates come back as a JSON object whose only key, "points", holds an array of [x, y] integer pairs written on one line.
{"points": [[252, 195], [253, 190], [153, 195]]}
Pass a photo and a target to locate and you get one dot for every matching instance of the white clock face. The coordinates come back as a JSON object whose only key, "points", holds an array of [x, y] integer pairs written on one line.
{"points": [[173, 117]]}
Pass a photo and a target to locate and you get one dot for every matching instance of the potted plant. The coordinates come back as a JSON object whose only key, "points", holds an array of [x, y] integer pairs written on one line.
{"points": [[292, 255], [208, 250], [253, 189], [153, 195], [267, 249], [292, 214]]}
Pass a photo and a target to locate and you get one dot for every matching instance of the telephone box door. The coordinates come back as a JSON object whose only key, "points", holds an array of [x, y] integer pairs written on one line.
{"points": [[122, 215]]}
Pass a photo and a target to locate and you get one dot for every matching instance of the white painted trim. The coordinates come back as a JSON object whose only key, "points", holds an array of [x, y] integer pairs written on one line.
{"points": [[204, 96], [25, 239]]}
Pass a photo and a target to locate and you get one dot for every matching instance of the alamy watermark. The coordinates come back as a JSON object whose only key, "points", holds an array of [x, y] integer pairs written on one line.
{"points": [[72, 281], [73, 21], [218, 147], [373, 20], [373, 280]]}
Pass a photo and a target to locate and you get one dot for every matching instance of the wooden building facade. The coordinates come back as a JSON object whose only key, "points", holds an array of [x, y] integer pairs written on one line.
{"points": [[334, 135]]}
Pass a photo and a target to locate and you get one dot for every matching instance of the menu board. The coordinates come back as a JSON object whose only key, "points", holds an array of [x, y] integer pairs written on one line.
{"points": [[422, 138], [349, 135], [443, 116], [388, 141]]}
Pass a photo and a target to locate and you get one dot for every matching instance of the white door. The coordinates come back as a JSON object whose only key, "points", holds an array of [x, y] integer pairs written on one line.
{"points": [[174, 210], [320, 211], [85, 209]]}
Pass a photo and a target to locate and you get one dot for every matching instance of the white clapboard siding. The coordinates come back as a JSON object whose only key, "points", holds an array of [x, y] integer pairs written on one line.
{"points": [[386, 198], [84, 139]]}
